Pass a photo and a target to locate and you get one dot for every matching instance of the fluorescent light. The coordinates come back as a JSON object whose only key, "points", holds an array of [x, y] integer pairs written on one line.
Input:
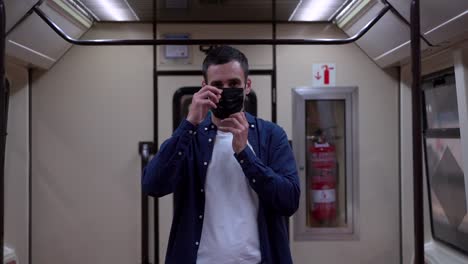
{"points": [[346, 9], [73, 11], [314, 10], [115, 11], [131, 10], [354, 9], [293, 14]]}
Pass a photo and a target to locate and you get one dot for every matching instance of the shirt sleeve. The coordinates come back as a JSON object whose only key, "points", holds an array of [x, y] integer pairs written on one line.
{"points": [[165, 170], [277, 185]]}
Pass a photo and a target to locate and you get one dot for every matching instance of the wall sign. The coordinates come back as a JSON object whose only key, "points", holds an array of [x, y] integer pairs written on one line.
{"points": [[324, 74], [176, 51]]}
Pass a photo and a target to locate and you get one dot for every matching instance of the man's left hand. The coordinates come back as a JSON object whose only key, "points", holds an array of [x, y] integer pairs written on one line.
{"points": [[236, 124]]}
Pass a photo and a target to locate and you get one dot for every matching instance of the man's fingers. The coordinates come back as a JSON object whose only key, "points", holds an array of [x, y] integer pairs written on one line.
{"points": [[240, 118], [213, 89], [210, 95], [208, 102]]}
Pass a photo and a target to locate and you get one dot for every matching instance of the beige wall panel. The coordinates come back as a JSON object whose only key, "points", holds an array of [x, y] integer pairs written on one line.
{"points": [[89, 113], [378, 144], [17, 163]]}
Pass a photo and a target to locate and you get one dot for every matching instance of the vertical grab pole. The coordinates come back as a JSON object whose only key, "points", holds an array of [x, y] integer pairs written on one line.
{"points": [[417, 132], [144, 210], [3, 121], [145, 149], [155, 135]]}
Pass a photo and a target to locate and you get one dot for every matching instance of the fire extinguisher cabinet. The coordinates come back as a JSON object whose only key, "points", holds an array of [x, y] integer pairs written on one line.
{"points": [[325, 146]]}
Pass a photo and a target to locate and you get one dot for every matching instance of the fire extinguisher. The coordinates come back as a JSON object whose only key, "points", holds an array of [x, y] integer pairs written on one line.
{"points": [[326, 75], [323, 183]]}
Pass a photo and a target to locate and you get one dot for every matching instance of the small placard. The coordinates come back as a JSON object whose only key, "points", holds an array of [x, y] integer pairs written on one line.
{"points": [[176, 51], [324, 74]]}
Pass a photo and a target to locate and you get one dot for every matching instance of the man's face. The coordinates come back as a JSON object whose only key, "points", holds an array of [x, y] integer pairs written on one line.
{"points": [[228, 75]]}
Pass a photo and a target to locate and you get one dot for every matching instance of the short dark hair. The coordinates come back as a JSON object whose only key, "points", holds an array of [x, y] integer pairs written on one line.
{"points": [[222, 55]]}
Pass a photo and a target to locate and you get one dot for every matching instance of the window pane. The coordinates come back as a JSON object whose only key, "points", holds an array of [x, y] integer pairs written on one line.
{"points": [[447, 189], [441, 102], [326, 168]]}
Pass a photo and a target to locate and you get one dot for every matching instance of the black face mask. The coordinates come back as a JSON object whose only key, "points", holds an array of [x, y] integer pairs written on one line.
{"points": [[232, 101]]}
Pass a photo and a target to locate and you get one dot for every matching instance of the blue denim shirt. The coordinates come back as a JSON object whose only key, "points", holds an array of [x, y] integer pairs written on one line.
{"points": [[180, 167]]}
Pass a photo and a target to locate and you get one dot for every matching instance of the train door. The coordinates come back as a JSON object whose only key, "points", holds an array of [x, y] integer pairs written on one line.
{"points": [[174, 97]]}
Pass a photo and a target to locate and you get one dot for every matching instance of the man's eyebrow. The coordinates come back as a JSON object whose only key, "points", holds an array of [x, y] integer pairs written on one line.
{"points": [[216, 82], [228, 81]]}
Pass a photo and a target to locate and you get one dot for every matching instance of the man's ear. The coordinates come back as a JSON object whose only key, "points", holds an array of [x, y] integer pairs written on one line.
{"points": [[248, 86]]}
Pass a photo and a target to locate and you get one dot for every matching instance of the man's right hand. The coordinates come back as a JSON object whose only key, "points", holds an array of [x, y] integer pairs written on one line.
{"points": [[202, 101]]}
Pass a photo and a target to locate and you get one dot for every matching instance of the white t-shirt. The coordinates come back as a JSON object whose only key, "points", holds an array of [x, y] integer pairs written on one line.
{"points": [[230, 230]]}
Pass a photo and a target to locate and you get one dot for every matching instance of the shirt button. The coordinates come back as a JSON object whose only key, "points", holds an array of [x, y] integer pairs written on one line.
{"points": [[253, 180], [206, 128], [180, 153], [201, 216], [212, 126], [195, 132], [252, 126], [190, 131], [201, 190], [205, 163], [209, 140], [241, 161], [196, 243]]}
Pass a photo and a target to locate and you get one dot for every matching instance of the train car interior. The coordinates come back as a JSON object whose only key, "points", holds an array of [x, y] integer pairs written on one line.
{"points": [[372, 95]]}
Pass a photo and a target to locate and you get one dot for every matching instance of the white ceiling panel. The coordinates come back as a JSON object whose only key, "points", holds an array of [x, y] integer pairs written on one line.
{"points": [[434, 13], [34, 42], [386, 34]]}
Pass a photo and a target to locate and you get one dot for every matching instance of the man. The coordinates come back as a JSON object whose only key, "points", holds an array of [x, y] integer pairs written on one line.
{"points": [[233, 175]]}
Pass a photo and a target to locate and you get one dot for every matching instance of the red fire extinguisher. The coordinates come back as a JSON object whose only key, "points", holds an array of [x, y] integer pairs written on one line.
{"points": [[326, 75], [323, 183]]}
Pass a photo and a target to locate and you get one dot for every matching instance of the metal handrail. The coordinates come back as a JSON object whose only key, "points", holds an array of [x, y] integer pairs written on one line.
{"points": [[142, 42]]}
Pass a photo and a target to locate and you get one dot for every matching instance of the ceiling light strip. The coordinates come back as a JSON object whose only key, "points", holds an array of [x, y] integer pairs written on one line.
{"points": [[113, 10], [71, 11], [315, 10], [293, 14], [132, 11], [343, 6], [358, 7], [86, 9]]}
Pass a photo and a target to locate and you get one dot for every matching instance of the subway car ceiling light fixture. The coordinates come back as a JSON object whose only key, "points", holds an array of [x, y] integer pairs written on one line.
{"points": [[73, 10], [318, 10], [142, 42], [111, 10], [352, 10]]}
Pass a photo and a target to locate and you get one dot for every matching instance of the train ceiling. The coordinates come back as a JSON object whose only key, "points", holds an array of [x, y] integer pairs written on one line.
{"points": [[214, 10]]}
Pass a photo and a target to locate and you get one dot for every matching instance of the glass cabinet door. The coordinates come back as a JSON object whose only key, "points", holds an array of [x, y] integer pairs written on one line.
{"points": [[324, 129], [325, 181]]}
